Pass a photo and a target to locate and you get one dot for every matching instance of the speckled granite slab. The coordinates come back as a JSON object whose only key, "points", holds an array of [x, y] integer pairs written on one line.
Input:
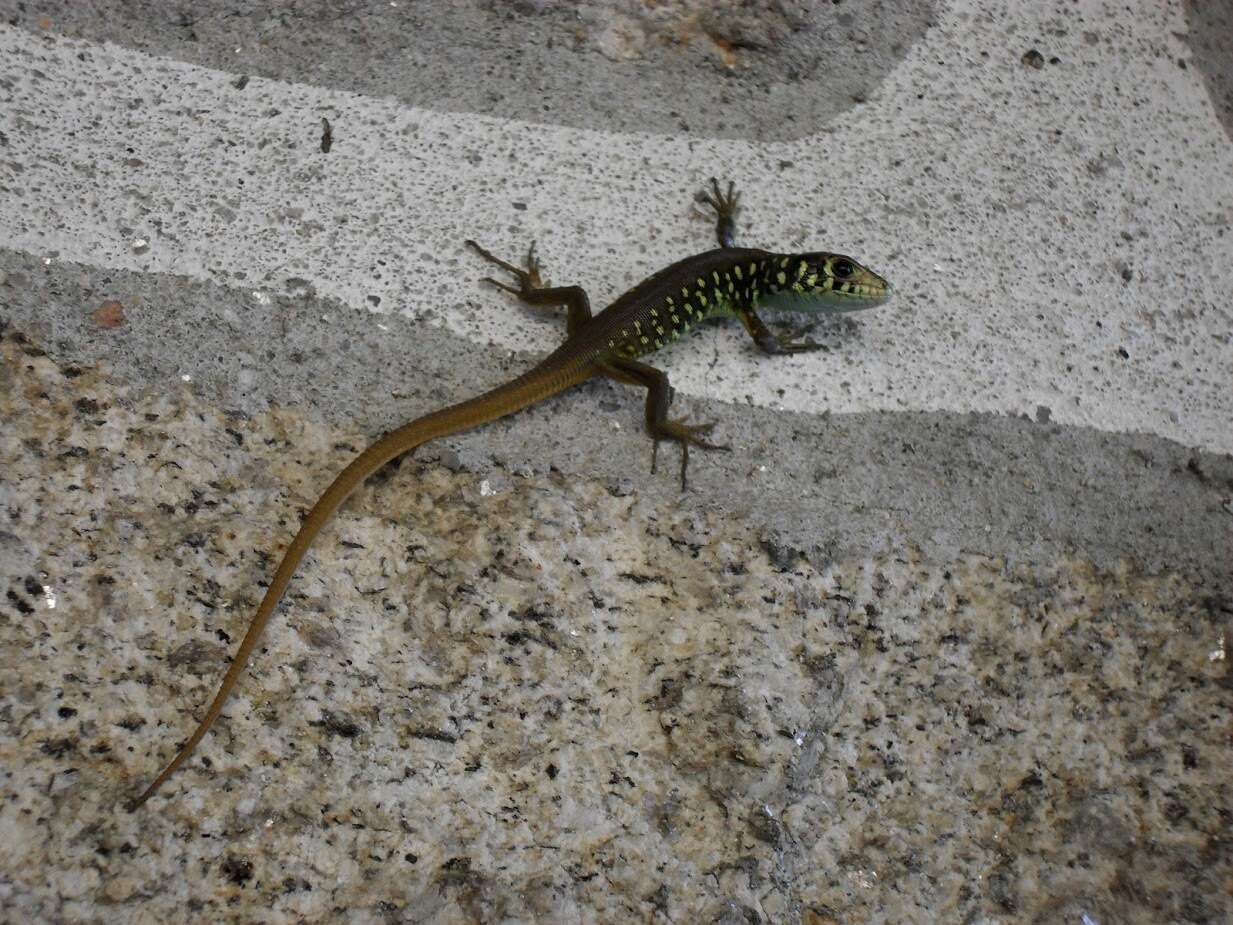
{"points": [[492, 698]]}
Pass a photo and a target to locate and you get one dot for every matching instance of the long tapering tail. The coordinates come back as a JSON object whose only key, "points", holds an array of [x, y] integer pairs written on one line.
{"points": [[545, 380]]}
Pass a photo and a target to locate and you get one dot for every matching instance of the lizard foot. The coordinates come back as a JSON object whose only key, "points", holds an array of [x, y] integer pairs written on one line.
{"points": [[686, 435], [726, 205], [529, 280]]}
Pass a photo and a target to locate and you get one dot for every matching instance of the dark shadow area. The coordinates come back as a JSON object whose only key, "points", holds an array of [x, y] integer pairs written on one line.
{"points": [[765, 70]]}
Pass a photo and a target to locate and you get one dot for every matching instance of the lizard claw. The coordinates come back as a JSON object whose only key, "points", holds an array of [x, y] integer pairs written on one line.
{"points": [[686, 435], [529, 280], [693, 433], [726, 204], [791, 346]]}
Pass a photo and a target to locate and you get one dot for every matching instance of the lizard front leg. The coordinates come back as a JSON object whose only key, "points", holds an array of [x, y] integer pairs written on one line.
{"points": [[766, 339], [532, 291], [726, 206]]}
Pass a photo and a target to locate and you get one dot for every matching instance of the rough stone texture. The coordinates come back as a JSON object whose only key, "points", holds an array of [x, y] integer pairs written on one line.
{"points": [[1057, 237], [497, 698], [945, 639], [768, 69]]}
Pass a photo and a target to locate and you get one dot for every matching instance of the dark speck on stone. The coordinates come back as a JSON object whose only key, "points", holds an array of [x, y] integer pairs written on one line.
{"points": [[22, 607], [520, 206], [1034, 59], [764, 828], [240, 82], [190, 655], [86, 406], [783, 556], [58, 748], [238, 870], [1043, 413], [337, 725]]}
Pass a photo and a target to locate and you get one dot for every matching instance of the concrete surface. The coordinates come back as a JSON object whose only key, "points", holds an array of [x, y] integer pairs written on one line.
{"points": [[1028, 236], [945, 637]]}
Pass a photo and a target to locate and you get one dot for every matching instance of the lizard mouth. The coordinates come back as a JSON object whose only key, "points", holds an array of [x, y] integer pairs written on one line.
{"points": [[863, 291], [866, 285], [828, 301]]}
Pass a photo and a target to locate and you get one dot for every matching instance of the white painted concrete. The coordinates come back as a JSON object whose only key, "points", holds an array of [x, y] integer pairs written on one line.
{"points": [[1003, 202]]}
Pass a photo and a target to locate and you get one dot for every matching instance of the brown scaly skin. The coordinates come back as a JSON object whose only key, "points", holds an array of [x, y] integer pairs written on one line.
{"points": [[727, 281]]}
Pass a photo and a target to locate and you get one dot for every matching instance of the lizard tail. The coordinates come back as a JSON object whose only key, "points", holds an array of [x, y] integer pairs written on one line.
{"points": [[539, 383]]}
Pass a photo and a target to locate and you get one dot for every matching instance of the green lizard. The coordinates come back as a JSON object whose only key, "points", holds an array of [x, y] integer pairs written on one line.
{"points": [[727, 281]]}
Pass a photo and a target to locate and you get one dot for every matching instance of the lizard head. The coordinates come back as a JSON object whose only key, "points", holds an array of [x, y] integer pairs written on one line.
{"points": [[821, 282]]}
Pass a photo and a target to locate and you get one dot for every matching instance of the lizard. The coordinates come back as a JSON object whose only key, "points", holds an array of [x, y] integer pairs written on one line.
{"points": [[726, 281]]}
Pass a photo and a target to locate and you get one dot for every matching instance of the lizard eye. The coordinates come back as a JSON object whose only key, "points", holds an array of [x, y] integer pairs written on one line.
{"points": [[843, 269]]}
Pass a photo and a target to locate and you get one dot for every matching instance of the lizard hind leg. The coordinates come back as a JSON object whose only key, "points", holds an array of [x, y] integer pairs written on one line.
{"points": [[659, 396], [532, 291]]}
